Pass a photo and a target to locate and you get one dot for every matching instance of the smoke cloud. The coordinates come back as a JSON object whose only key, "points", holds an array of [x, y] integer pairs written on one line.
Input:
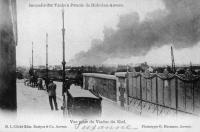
{"points": [[179, 24]]}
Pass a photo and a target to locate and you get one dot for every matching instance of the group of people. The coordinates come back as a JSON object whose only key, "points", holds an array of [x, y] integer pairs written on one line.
{"points": [[50, 86], [32, 81]]}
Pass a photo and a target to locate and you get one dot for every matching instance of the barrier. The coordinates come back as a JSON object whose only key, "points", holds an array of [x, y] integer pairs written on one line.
{"points": [[164, 92], [160, 93], [103, 84]]}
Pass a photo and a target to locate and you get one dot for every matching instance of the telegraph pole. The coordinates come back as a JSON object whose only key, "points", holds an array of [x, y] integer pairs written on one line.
{"points": [[47, 75], [32, 56], [63, 62], [172, 59]]}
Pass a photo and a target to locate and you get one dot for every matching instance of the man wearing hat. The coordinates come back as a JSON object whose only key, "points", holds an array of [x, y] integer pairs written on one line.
{"points": [[52, 94]]}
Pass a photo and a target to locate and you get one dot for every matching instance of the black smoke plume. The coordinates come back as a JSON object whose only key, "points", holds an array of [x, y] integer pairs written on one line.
{"points": [[177, 24]]}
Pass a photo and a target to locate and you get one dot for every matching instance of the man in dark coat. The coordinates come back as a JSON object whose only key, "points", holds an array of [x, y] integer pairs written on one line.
{"points": [[40, 87], [46, 81], [51, 89], [67, 85]]}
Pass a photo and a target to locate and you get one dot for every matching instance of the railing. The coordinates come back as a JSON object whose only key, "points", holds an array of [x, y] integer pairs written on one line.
{"points": [[155, 92], [161, 91]]}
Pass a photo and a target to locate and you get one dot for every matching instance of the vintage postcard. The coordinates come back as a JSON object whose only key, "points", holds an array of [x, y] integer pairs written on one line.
{"points": [[99, 65]]}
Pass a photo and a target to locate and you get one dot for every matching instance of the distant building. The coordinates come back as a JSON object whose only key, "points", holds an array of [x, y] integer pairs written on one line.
{"points": [[58, 67]]}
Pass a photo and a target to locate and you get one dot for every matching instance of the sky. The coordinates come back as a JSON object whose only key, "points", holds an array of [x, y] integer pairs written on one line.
{"points": [[90, 30]]}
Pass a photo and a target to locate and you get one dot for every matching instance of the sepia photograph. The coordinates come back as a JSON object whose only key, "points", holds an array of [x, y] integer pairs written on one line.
{"points": [[99, 65]]}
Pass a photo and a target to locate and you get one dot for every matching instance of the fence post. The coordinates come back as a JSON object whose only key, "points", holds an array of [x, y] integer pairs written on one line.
{"points": [[118, 85], [151, 89], [141, 92], [84, 83], [146, 87], [185, 95], [193, 95], [127, 88], [121, 90], [163, 92], [121, 97], [157, 92], [176, 87], [170, 93]]}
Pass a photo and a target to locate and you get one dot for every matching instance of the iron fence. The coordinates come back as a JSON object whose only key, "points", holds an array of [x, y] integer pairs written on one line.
{"points": [[159, 91]]}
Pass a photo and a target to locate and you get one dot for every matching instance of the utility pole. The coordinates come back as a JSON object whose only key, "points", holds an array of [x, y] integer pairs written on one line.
{"points": [[32, 55], [173, 62], [63, 62], [47, 75], [190, 65]]}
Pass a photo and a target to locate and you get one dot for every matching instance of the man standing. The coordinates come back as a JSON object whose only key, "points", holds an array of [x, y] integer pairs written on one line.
{"points": [[46, 81], [68, 83], [40, 87], [51, 89]]}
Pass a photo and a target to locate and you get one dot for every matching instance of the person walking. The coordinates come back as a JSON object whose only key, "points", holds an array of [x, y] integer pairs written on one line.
{"points": [[51, 89]]}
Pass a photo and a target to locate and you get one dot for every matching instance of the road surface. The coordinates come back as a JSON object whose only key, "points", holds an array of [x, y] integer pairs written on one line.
{"points": [[31, 101]]}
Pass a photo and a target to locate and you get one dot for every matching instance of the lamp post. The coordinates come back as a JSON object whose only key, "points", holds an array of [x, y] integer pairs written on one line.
{"points": [[32, 56], [47, 75], [63, 62]]}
